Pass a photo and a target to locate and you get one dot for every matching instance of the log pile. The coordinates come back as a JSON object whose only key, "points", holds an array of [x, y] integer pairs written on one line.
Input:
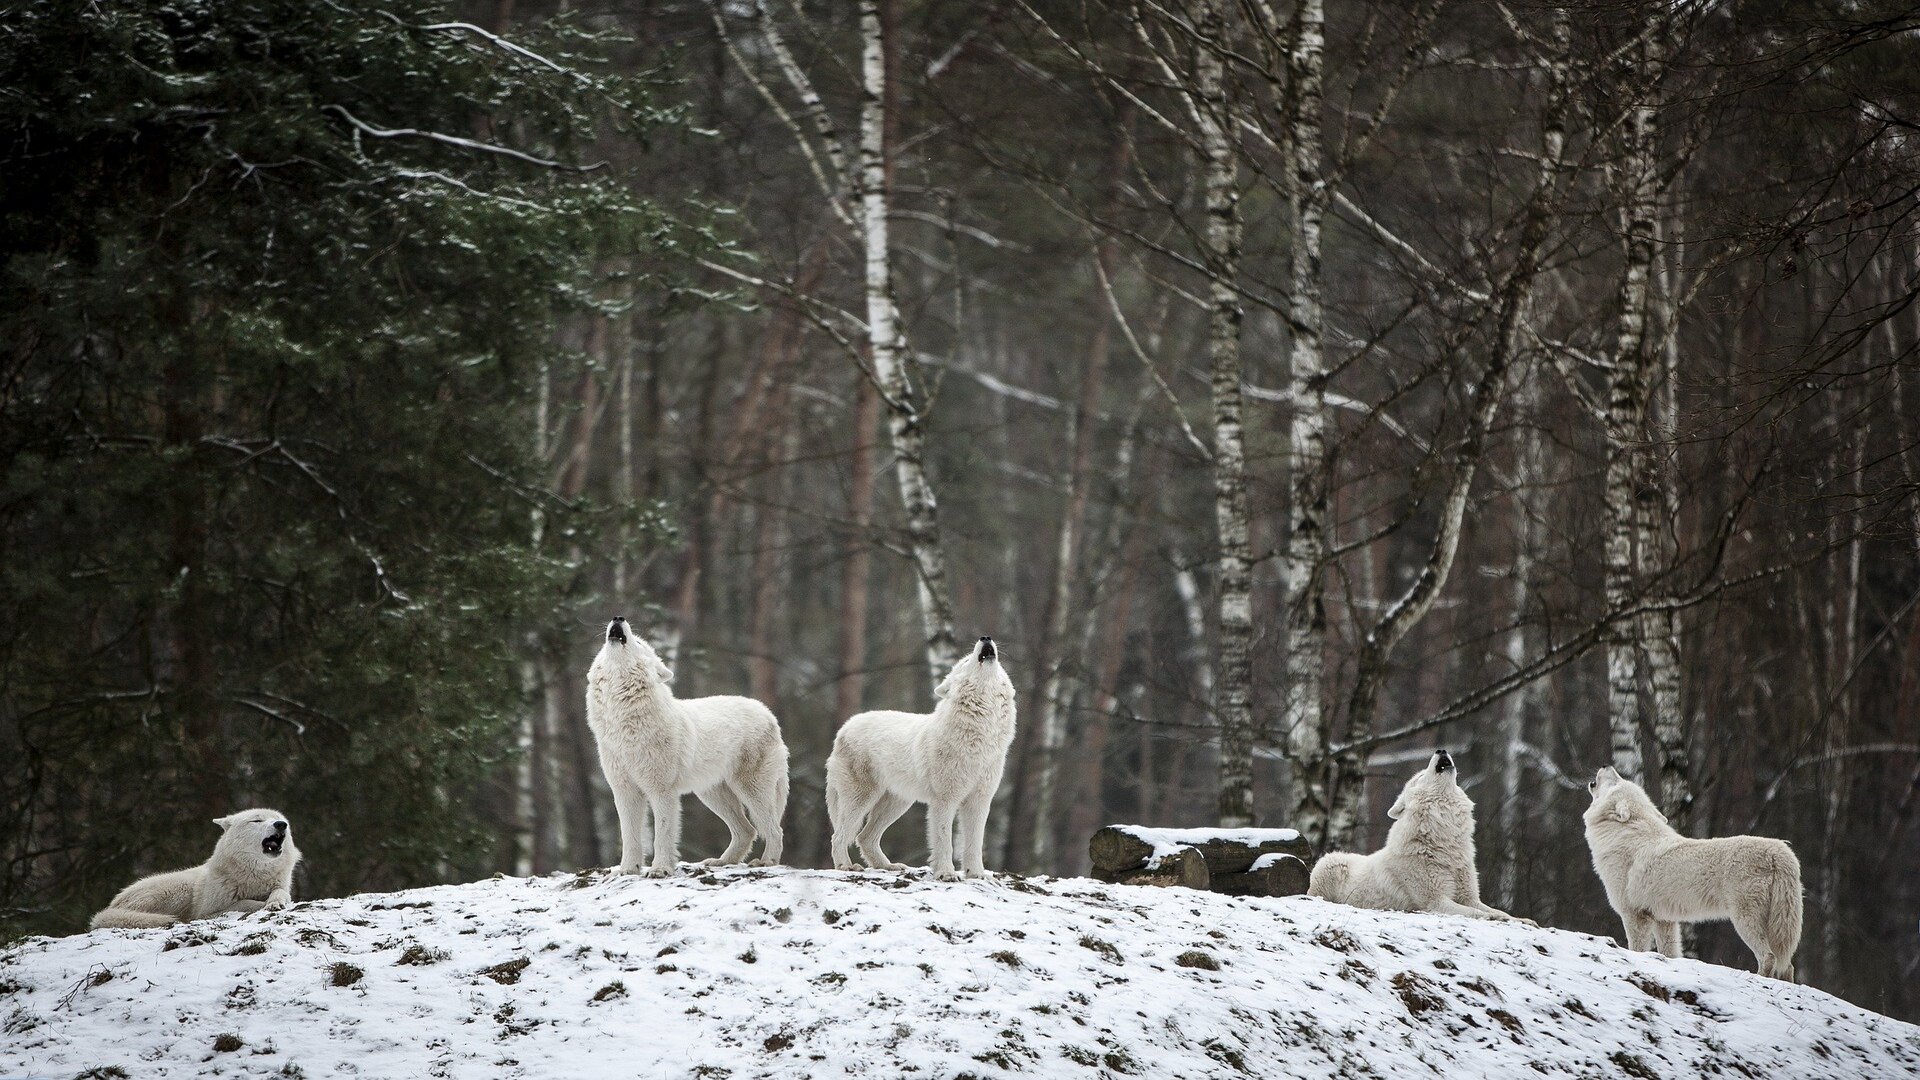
{"points": [[1236, 862]]}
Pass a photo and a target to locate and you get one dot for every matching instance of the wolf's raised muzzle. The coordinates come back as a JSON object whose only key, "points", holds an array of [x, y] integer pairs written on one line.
{"points": [[1443, 761], [617, 629], [986, 649]]}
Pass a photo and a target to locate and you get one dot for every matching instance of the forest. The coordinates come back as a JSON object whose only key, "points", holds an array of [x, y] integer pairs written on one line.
{"points": [[1289, 387]]}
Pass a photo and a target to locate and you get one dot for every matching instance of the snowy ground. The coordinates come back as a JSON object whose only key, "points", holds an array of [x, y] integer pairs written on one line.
{"points": [[765, 973]]}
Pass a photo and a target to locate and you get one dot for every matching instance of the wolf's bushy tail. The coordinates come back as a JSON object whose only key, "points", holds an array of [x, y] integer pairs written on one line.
{"points": [[1784, 912]]}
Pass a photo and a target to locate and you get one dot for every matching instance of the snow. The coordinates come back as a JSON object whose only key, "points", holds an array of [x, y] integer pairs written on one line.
{"points": [[804, 973], [1272, 858], [1167, 841]]}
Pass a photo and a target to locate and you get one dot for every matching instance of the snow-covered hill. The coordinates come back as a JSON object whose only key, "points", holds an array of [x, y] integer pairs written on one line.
{"points": [[764, 973]]}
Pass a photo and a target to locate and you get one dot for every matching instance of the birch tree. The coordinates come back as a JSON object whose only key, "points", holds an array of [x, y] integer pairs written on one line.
{"points": [[1233, 678], [858, 188]]}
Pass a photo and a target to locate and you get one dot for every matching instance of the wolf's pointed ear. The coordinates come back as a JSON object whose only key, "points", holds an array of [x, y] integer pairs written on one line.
{"points": [[1619, 812], [1399, 807], [945, 687], [662, 672], [225, 823]]}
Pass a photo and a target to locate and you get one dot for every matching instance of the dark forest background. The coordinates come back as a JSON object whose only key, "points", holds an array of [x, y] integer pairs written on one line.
{"points": [[1289, 387]]}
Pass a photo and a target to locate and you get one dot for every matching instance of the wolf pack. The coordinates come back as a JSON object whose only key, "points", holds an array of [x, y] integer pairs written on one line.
{"points": [[727, 751]]}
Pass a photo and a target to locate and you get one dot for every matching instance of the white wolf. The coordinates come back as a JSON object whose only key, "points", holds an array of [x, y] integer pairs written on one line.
{"points": [[655, 748], [1657, 879], [1427, 863], [251, 870], [883, 762]]}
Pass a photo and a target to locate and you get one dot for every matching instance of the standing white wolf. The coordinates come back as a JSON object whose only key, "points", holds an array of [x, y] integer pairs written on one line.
{"points": [[1427, 863], [655, 748], [1657, 879], [883, 762], [251, 870]]}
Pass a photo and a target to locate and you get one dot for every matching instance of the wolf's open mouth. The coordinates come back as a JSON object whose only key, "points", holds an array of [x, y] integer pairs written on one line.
{"points": [[271, 845]]}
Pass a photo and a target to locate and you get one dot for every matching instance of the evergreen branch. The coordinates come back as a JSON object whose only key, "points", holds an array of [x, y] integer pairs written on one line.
{"points": [[455, 140]]}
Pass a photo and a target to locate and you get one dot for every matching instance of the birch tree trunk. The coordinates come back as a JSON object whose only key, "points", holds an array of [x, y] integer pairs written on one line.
{"points": [[1233, 676], [889, 351], [1658, 522], [1308, 479], [1628, 383]]}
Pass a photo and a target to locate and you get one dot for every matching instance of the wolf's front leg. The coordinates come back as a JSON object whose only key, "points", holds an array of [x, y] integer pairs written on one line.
{"points": [[631, 807], [940, 840], [666, 835], [973, 832]]}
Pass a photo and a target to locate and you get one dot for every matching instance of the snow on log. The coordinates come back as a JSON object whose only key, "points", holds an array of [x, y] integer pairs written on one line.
{"points": [[1239, 862]]}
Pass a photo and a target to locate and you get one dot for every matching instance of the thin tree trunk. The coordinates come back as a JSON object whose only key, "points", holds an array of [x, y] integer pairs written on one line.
{"points": [[856, 573], [1658, 524], [1628, 388], [888, 349], [1529, 483], [1308, 468], [553, 845], [1233, 690]]}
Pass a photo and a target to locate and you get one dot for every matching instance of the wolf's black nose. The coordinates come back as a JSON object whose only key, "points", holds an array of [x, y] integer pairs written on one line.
{"points": [[617, 629], [279, 826], [986, 648], [1442, 760]]}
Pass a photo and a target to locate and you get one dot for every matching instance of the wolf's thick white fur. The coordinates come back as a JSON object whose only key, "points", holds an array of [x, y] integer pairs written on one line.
{"points": [[1427, 863], [1657, 879], [243, 875], [951, 759], [655, 748]]}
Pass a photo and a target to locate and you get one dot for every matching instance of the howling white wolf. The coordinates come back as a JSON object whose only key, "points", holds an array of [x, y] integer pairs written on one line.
{"points": [[883, 762], [655, 748], [1427, 864], [1657, 879], [251, 870]]}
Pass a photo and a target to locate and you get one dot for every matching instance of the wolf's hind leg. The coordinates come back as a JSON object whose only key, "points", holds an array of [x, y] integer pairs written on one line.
{"points": [[130, 919], [1449, 906], [1639, 932], [1666, 939], [884, 813], [721, 800]]}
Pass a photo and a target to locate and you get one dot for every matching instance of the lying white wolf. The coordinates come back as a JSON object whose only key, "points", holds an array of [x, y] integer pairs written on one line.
{"points": [[251, 870], [655, 748], [1427, 863], [1657, 879], [883, 762]]}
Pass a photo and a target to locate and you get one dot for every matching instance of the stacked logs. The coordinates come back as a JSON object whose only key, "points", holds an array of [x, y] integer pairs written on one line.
{"points": [[1236, 862]]}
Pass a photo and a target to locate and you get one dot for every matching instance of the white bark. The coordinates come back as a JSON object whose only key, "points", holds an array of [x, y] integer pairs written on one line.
{"points": [[1657, 521], [889, 350], [1628, 389], [1308, 479], [1530, 483], [1233, 691]]}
